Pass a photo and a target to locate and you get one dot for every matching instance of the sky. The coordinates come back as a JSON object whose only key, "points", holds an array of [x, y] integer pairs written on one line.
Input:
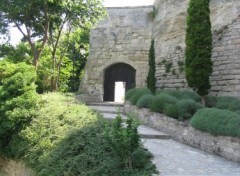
{"points": [[121, 3], [16, 35]]}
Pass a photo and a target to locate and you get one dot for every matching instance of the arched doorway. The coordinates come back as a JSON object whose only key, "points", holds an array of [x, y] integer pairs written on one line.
{"points": [[117, 76]]}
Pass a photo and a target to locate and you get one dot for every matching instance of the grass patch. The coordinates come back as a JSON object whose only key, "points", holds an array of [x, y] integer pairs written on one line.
{"points": [[217, 122]]}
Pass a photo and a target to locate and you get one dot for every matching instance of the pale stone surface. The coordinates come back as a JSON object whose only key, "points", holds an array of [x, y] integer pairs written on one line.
{"points": [[175, 159], [124, 37], [169, 34]]}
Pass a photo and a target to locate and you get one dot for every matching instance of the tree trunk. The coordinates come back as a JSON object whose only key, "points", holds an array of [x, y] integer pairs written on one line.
{"points": [[53, 77], [203, 100]]}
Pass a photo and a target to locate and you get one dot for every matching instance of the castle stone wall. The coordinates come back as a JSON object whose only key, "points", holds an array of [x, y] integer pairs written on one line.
{"points": [[124, 37], [169, 34]]}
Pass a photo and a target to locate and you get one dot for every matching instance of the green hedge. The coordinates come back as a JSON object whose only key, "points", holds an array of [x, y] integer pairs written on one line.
{"points": [[217, 122]]}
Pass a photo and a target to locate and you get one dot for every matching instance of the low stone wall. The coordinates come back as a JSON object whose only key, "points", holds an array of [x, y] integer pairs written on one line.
{"points": [[227, 147], [14, 168]]}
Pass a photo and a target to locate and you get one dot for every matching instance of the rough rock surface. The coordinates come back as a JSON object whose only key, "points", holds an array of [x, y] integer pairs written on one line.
{"points": [[169, 34], [124, 37]]}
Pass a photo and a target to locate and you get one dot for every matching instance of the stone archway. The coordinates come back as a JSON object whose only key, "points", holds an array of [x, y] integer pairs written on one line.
{"points": [[118, 73]]}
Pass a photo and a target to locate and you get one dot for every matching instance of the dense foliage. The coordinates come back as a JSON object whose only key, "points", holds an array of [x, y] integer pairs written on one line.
{"points": [[217, 122], [70, 139], [71, 69], [151, 79], [198, 64], [18, 100]]}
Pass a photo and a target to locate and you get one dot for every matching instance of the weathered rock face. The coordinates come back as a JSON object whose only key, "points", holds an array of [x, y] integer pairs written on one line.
{"points": [[169, 34], [124, 37]]}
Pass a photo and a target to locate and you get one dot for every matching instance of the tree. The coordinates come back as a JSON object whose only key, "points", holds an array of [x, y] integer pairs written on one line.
{"points": [[151, 79], [199, 47], [43, 21]]}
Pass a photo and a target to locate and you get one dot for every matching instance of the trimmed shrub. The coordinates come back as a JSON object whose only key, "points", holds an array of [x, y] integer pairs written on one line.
{"points": [[229, 103], [180, 94], [187, 108], [160, 101], [135, 94], [18, 100], [130, 93], [211, 101], [172, 111], [217, 122], [144, 101]]}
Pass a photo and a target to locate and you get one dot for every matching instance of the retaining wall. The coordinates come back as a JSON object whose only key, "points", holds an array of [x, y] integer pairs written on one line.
{"points": [[227, 147]]}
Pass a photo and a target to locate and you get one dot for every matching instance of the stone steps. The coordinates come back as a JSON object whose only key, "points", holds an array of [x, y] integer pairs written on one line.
{"points": [[111, 110]]}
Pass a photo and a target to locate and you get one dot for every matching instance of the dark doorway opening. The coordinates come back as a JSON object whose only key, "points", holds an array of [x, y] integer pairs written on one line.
{"points": [[118, 73]]}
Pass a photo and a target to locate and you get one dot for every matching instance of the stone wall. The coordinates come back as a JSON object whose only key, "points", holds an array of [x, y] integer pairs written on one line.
{"points": [[227, 147], [124, 37], [169, 34]]}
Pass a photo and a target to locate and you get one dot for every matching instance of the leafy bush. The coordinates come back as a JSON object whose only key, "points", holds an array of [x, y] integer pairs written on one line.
{"points": [[187, 108], [134, 94], [68, 139], [160, 101], [217, 122], [144, 101], [18, 100]]}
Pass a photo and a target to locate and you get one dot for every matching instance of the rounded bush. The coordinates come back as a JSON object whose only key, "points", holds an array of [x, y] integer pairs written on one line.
{"points": [[187, 108], [211, 101], [144, 101], [137, 93], [217, 122], [229, 103], [160, 101], [172, 111], [180, 94]]}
